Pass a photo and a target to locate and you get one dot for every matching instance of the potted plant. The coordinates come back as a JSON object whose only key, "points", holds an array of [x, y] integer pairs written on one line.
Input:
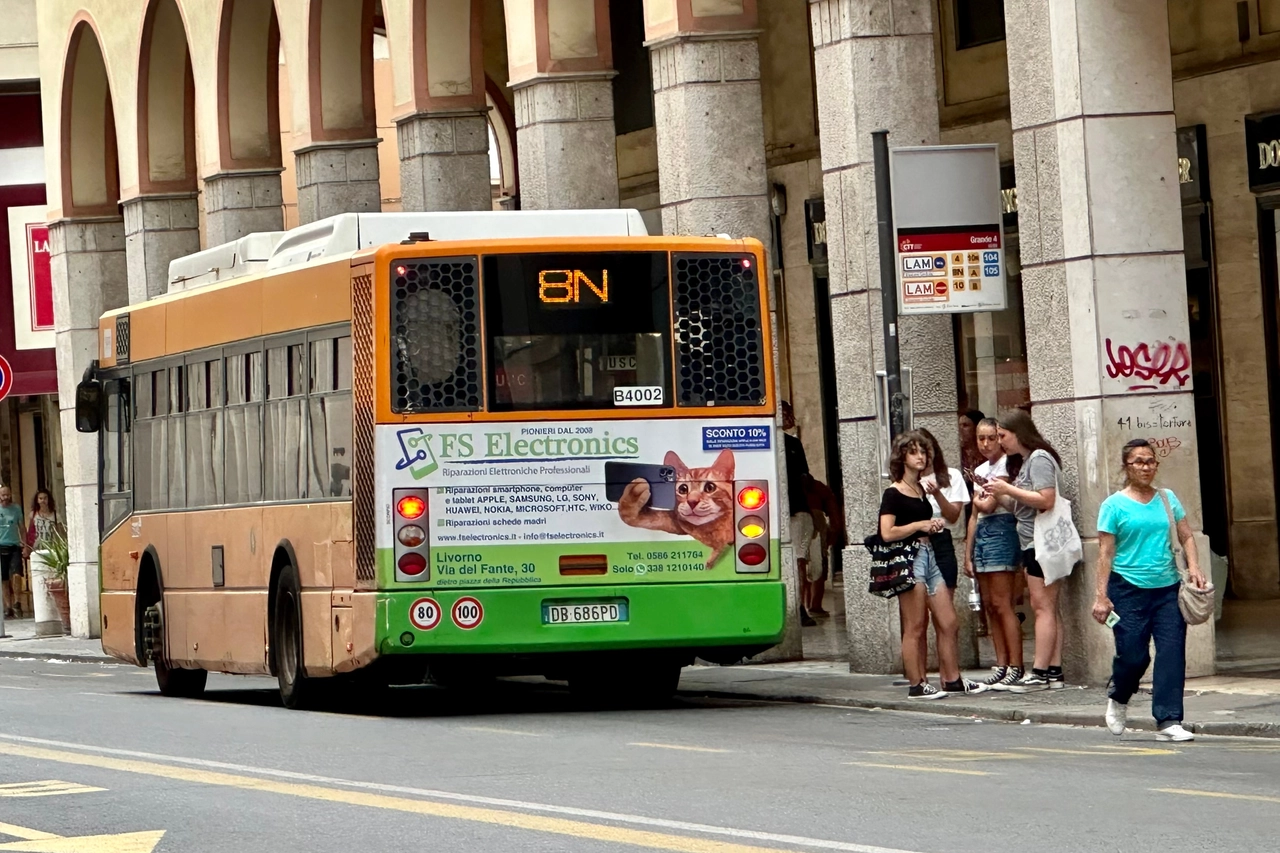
{"points": [[54, 553]]}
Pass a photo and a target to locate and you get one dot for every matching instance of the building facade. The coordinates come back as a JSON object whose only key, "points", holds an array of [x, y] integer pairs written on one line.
{"points": [[1139, 197]]}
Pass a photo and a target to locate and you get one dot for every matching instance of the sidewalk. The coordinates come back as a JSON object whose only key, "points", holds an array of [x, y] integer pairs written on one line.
{"points": [[1219, 705]]}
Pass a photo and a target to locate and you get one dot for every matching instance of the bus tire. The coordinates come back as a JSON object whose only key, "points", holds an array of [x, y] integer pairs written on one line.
{"points": [[181, 683], [296, 690]]}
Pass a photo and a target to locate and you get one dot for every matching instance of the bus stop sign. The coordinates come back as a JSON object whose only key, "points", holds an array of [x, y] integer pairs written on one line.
{"points": [[948, 229]]}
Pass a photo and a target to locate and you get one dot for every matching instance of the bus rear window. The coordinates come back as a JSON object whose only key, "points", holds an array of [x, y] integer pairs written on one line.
{"points": [[578, 331]]}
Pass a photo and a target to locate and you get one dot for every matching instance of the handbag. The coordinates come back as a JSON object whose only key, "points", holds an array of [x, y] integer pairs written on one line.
{"points": [[1197, 605], [1056, 540], [891, 565]]}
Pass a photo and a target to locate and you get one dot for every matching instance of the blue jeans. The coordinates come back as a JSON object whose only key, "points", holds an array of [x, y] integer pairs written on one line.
{"points": [[1144, 614], [925, 568]]}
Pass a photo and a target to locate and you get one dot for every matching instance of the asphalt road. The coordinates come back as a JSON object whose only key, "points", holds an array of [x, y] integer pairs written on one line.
{"points": [[92, 750]]}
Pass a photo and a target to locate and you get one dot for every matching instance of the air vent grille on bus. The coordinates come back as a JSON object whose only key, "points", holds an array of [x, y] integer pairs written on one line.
{"points": [[122, 339], [435, 335], [719, 342], [364, 509]]}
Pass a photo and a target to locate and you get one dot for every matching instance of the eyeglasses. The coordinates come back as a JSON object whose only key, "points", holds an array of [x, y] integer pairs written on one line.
{"points": [[1144, 463]]}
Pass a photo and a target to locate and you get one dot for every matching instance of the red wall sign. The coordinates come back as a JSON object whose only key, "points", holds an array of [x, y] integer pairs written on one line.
{"points": [[40, 278], [6, 377]]}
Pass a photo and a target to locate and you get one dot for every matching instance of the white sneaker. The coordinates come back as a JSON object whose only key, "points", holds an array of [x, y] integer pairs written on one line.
{"points": [[1174, 732], [1117, 716]]}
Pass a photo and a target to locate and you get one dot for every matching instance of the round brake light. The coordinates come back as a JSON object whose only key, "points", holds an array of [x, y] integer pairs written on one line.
{"points": [[751, 497], [411, 507], [752, 554], [413, 564]]}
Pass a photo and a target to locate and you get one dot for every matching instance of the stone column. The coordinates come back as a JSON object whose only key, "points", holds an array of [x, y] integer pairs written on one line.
{"points": [[565, 142], [88, 265], [1103, 275], [157, 229], [444, 161], [337, 177], [874, 64], [710, 130], [242, 202]]}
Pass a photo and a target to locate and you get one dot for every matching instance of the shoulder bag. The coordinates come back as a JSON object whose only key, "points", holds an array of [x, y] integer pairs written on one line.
{"points": [[891, 565], [1197, 605], [1056, 540]]}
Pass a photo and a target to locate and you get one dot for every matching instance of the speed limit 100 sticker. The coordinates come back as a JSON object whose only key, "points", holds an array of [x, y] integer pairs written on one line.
{"points": [[424, 614], [467, 613]]}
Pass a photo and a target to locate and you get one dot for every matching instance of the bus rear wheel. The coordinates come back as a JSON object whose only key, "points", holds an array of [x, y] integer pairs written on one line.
{"points": [[172, 681], [296, 690]]}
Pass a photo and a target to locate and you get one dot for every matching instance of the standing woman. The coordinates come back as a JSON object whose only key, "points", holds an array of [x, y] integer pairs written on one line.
{"points": [[42, 523], [1033, 491], [991, 557], [905, 513], [1138, 580], [948, 495]]}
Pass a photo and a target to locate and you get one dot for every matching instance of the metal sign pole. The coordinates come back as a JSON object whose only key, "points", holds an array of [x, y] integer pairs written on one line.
{"points": [[888, 281]]}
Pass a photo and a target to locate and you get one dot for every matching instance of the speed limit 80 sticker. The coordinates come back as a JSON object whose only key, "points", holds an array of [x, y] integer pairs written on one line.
{"points": [[467, 613], [424, 614]]}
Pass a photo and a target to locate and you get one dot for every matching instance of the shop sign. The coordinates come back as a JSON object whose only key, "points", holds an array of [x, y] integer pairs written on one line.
{"points": [[948, 216], [1262, 150], [815, 223], [32, 278], [1193, 164]]}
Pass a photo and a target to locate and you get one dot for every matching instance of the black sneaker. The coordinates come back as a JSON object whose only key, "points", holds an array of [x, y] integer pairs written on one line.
{"points": [[806, 620], [1011, 677], [963, 685], [997, 675], [925, 690], [1056, 681], [1034, 680]]}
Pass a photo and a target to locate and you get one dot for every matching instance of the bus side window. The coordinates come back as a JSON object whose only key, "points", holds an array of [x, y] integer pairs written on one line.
{"points": [[329, 465], [149, 435], [116, 497], [204, 433], [243, 467], [282, 423]]}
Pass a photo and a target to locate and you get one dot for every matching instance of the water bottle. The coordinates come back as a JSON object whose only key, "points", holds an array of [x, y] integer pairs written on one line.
{"points": [[975, 600]]}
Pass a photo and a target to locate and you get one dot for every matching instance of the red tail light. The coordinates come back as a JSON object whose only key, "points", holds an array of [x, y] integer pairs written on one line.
{"points": [[412, 564], [752, 497], [752, 554], [411, 507]]}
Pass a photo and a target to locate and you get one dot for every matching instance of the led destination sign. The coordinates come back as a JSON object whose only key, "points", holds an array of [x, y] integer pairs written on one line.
{"points": [[573, 287]]}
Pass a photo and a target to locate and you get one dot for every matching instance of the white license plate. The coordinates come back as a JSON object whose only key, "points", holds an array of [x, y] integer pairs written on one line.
{"points": [[577, 614]]}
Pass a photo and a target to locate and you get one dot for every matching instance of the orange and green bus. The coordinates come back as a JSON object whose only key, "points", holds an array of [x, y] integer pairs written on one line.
{"points": [[509, 445]]}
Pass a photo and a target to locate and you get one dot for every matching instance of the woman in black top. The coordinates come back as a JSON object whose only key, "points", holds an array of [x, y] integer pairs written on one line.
{"points": [[905, 513]]}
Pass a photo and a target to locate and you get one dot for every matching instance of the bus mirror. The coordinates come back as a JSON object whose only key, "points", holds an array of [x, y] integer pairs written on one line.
{"points": [[88, 406]]}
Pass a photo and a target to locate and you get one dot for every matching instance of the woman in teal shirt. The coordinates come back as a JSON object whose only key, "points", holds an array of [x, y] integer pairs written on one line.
{"points": [[1138, 580]]}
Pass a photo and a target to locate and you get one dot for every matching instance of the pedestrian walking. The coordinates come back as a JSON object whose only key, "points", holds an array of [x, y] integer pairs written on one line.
{"points": [[905, 513], [42, 522], [828, 520], [991, 555], [11, 547], [1034, 490], [802, 527], [1138, 581]]}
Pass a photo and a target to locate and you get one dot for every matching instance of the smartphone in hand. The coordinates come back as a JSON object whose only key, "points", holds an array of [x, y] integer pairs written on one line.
{"points": [[1112, 619]]}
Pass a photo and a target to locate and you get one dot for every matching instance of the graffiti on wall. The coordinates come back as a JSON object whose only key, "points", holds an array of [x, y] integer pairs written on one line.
{"points": [[1150, 366]]}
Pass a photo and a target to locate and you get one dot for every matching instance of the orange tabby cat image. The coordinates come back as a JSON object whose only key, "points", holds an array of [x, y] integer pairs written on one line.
{"points": [[704, 504]]}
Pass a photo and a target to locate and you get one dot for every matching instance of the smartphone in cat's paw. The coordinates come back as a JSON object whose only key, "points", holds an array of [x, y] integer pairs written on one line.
{"points": [[661, 479]]}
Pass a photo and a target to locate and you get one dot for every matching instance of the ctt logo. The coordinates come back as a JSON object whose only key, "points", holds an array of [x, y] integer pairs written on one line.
{"points": [[416, 453]]}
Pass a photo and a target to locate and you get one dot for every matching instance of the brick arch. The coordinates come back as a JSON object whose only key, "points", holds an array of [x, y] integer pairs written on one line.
{"points": [[90, 165], [340, 69], [248, 85], [166, 103]]}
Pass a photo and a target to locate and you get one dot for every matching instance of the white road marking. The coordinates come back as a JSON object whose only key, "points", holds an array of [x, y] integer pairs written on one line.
{"points": [[494, 730], [616, 817], [678, 746]]}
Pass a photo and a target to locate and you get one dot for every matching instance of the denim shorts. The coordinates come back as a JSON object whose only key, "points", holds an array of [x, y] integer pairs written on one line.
{"points": [[926, 569], [995, 544]]}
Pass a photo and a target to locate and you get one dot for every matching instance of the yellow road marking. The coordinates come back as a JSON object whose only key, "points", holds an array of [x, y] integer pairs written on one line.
{"points": [[498, 731], [44, 788], [1100, 750], [678, 746], [1191, 792], [954, 770], [24, 833], [955, 754], [512, 819]]}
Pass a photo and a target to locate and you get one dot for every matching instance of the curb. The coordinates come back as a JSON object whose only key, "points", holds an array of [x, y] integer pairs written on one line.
{"points": [[1005, 715], [36, 654]]}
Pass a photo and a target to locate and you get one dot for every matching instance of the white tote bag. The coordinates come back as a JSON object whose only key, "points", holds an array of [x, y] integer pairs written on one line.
{"points": [[1056, 540]]}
